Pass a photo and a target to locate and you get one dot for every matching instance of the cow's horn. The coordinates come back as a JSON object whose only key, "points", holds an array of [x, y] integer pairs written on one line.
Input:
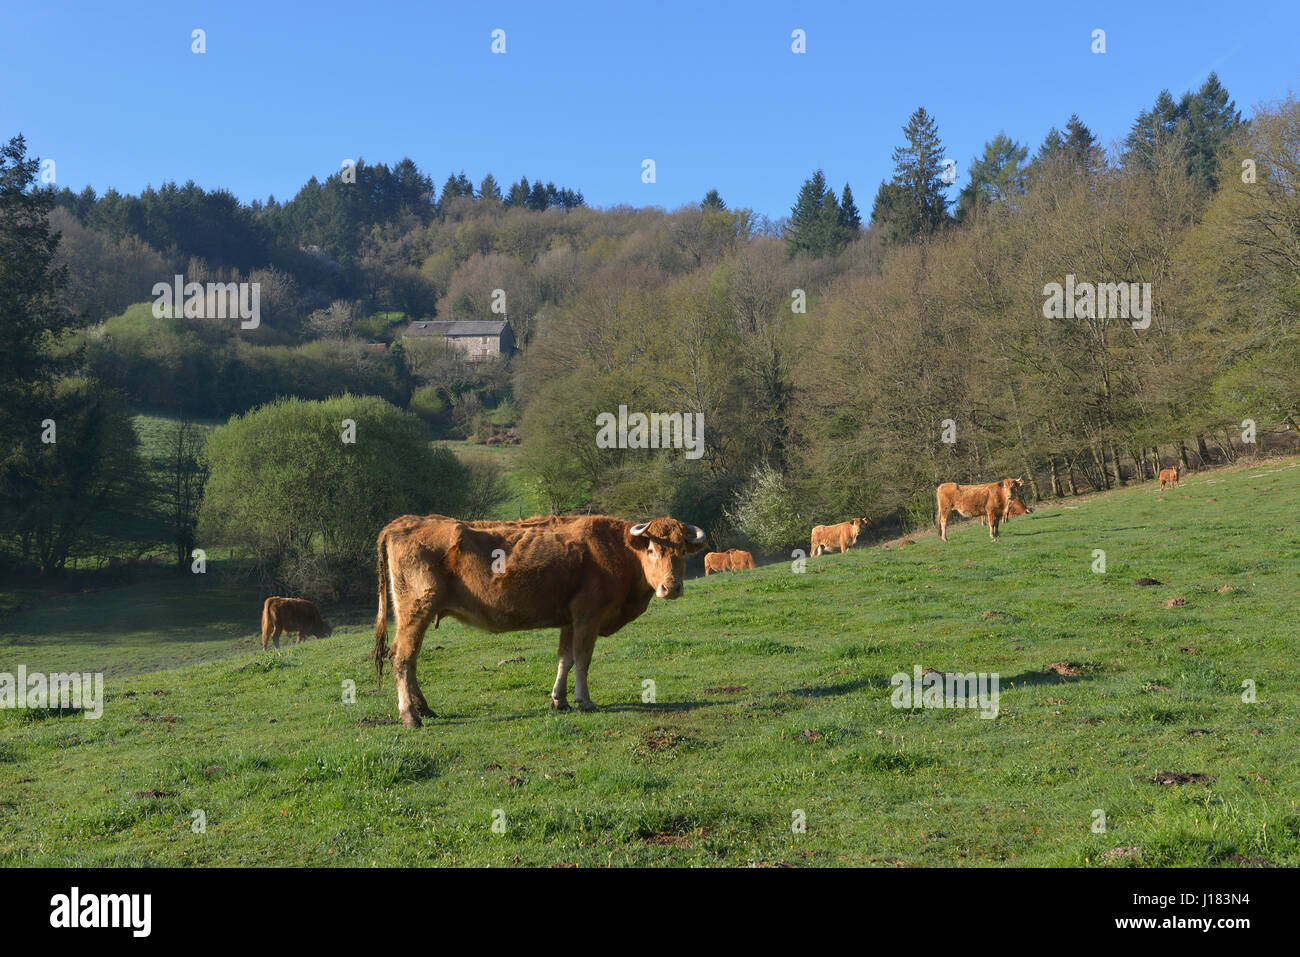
{"points": [[697, 533], [639, 529]]}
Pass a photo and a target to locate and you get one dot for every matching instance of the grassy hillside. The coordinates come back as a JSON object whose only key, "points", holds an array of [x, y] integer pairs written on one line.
{"points": [[773, 697], [523, 499]]}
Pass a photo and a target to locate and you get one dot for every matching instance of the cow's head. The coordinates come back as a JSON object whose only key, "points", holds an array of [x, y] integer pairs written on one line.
{"points": [[326, 628], [662, 545], [857, 524]]}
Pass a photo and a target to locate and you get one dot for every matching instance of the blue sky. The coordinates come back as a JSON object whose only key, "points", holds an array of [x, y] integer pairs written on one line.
{"points": [[586, 91]]}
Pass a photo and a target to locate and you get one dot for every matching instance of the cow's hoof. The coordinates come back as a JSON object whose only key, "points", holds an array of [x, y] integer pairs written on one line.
{"points": [[411, 719], [559, 704], [424, 710], [587, 706]]}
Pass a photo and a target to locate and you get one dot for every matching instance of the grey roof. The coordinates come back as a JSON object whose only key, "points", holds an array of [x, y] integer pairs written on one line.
{"points": [[461, 327]]}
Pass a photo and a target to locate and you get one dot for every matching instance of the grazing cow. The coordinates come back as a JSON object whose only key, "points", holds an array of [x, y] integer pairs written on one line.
{"points": [[585, 575], [1017, 507], [842, 536], [740, 560], [992, 500], [1169, 477], [732, 560], [292, 614]]}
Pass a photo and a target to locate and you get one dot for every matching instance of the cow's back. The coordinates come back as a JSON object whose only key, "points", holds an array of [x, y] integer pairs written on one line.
{"points": [[292, 614]]}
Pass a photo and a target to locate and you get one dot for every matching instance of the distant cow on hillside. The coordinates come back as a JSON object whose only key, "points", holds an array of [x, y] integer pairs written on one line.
{"points": [[992, 500], [586, 575], [1016, 507], [732, 560], [842, 536], [1169, 477], [294, 615]]}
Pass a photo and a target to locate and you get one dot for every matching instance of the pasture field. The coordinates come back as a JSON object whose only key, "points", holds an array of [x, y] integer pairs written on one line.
{"points": [[772, 701]]}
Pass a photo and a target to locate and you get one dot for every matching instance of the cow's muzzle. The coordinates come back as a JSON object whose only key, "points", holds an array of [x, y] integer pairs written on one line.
{"points": [[669, 589]]}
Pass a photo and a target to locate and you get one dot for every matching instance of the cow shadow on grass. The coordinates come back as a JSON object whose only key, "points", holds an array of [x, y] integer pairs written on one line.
{"points": [[660, 707], [833, 690]]}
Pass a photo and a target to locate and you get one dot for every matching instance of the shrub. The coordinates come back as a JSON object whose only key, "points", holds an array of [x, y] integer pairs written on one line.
{"points": [[307, 505]]}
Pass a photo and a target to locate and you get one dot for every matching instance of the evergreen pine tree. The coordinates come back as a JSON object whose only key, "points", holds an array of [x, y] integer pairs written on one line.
{"points": [[920, 205]]}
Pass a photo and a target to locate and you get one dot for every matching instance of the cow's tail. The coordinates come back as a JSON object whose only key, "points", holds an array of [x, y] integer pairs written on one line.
{"points": [[266, 621], [381, 619]]}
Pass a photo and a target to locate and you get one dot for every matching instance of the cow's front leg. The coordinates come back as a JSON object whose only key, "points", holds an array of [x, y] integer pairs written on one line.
{"points": [[564, 661], [584, 643]]}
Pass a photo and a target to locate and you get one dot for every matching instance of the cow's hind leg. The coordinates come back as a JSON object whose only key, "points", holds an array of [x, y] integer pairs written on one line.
{"points": [[275, 636], [564, 661], [406, 649]]}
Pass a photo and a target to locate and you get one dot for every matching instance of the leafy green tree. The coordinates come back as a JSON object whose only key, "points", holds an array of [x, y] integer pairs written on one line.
{"points": [[84, 491], [287, 487], [30, 279], [998, 176]]}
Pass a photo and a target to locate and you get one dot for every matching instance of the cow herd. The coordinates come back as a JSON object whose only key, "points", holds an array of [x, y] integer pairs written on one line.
{"points": [[586, 575]]}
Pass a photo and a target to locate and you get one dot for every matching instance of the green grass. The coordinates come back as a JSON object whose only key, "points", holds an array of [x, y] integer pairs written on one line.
{"points": [[523, 500], [773, 697]]}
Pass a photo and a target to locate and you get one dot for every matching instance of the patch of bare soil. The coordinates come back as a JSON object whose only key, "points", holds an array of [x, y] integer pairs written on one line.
{"points": [[1066, 669], [1183, 777], [1120, 853]]}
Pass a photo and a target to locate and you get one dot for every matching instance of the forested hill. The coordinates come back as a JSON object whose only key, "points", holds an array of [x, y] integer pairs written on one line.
{"points": [[1070, 313]]}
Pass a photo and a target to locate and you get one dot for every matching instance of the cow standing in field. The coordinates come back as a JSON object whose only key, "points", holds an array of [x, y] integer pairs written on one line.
{"points": [[740, 560], [1169, 477], [294, 615], [585, 575], [732, 560], [842, 536], [992, 500], [1017, 507]]}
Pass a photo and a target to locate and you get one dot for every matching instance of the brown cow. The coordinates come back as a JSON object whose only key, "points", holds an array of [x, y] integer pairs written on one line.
{"points": [[992, 500], [586, 575], [1169, 477], [842, 536], [740, 560], [294, 615], [732, 560], [1016, 507]]}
